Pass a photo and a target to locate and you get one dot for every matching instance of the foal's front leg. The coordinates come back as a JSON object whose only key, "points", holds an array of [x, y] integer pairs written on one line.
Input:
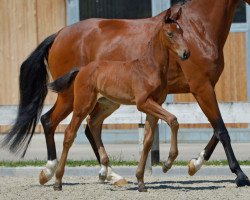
{"points": [[150, 125], [154, 109]]}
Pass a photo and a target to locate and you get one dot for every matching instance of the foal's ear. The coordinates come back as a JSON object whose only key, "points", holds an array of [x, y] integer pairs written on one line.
{"points": [[167, 16], [177, 15]]}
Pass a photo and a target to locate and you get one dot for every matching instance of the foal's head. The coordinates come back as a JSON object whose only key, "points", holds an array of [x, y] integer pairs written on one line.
{"points": [[173, 35]]}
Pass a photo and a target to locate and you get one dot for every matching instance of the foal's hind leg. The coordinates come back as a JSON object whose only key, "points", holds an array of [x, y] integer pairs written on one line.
{"points": [[50, 121], [102, 110], [83, 105]]}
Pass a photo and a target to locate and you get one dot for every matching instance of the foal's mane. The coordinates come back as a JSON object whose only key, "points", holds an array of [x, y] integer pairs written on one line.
{"points": [[159, 27]]}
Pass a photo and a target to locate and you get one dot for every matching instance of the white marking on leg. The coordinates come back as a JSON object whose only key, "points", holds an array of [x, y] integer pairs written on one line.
{"points": [[112, 176], [198, 162], [50, 168], [103, 171]]}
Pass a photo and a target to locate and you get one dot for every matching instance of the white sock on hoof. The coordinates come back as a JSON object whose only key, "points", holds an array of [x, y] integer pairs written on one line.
{"points": [[112, 176], [50, 168], [103, 171], [199, 161]]}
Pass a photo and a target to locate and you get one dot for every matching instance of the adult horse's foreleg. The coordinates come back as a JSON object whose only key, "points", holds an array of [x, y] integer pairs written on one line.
{"points": [[50, 121], [206, 98], [102, 110], [196, 163]]}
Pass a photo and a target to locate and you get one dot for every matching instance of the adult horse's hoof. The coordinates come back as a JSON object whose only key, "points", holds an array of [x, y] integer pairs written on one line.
{"points": [[43, 178], [121, 183], [191, 168], [57, 187], [242, 181]]}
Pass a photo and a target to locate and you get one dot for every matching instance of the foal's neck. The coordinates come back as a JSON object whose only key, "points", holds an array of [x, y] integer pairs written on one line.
{"points": [[156, 55]]}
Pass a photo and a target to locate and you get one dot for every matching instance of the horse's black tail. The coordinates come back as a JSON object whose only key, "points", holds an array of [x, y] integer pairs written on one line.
{"points": [[64, 82], [33, 80]]}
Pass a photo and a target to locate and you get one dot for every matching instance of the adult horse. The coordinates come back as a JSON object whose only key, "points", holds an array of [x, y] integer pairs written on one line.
{"points": [[206, 25]]}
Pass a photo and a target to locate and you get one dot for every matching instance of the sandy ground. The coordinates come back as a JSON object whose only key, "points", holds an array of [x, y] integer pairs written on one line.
{"points": [[158, 187]]}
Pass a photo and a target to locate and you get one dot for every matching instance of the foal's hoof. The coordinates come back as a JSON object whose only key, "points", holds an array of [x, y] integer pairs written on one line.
{"points": [[121, 183], [242, 181], [102, 177], [43, 178], [165, 168], [57, 187], [191, 168], [142, 189]]}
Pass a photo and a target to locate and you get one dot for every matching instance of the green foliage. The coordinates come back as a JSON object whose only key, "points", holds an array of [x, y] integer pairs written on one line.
{"points": [[113, 162]]}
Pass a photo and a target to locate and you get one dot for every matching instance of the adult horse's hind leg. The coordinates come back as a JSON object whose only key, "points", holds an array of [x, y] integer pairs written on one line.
{"points": [[50, 121], [207, 100], [102, 110]]}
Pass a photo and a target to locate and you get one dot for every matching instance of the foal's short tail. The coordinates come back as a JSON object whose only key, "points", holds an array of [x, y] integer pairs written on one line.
{"points": [[33, 90], [64, 82]]}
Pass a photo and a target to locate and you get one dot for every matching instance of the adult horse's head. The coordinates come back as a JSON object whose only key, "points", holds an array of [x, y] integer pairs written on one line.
{"points": [[173, 35]]}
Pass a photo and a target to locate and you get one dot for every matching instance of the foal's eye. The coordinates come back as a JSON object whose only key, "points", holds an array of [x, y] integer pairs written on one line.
{"points": [[170, 34]]}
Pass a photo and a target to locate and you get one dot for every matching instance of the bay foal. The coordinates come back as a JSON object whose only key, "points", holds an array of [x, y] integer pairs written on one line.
{"points": [[141, 82]]}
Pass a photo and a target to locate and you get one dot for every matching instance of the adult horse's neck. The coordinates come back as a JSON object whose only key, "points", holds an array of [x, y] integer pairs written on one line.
{"points": [[215, 16]]}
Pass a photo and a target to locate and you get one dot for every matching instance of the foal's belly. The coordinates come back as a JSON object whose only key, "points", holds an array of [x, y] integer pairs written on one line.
{"points": [[119, 95], [114, 81]]}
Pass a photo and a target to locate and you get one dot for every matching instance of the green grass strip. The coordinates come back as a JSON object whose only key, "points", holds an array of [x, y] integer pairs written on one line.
{"points": [[89, 163]]}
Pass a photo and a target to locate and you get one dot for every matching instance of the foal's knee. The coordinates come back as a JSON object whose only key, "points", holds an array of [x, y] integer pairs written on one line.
{"points": [[173, 122]]}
